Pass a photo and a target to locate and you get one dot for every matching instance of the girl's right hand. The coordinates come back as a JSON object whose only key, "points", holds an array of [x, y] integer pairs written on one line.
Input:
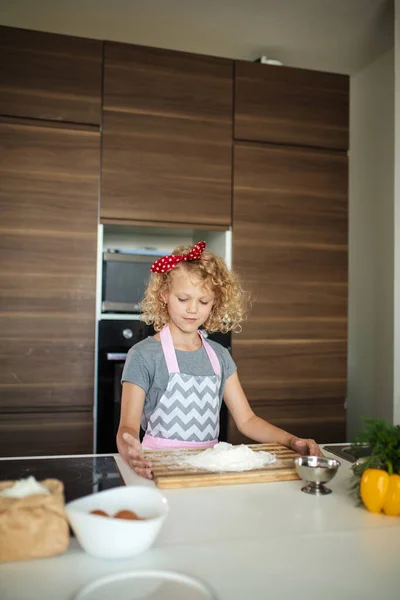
{"points": [[135, 457]]}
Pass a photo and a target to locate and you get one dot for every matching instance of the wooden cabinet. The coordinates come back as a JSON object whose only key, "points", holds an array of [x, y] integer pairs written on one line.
{"points": [[38, 434], [48, 76], [167, 136], [167, 129], [290, 247], [291, 106], [48, 247]]}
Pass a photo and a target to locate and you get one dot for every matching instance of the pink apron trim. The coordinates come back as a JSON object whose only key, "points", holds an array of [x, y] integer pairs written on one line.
{"points": [[211, 355], [169, 350], [170, 354], [157, 443]]}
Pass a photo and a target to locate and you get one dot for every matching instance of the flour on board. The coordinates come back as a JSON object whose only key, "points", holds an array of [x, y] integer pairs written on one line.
{"points": [[226, 457]]}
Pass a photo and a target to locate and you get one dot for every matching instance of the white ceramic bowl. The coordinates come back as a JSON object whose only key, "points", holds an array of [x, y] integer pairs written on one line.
{"points": [[118, 538]]}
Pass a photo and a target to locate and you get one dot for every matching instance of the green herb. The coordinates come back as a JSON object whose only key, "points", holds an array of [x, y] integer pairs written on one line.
{"points": [[384, 440]]}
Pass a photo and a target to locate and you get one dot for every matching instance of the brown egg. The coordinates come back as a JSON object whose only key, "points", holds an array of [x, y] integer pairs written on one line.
{"points": [[99, 512], [126, 514]]}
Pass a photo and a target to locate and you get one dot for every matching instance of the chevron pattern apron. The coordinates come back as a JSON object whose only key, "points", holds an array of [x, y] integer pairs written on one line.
{"points": [[187, 414]]}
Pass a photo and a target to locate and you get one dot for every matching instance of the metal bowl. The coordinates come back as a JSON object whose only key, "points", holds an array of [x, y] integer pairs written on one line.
{"points": [[316, 471]]}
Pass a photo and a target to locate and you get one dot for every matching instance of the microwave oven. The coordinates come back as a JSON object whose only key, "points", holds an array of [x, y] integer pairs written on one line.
{"points": [[125, 278]]}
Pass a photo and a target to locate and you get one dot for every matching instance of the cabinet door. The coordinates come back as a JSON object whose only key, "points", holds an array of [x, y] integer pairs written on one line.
{"points": [[48, 246], [167, 136], [48, 76], [290, 247], [291, 106], [38, 434]]}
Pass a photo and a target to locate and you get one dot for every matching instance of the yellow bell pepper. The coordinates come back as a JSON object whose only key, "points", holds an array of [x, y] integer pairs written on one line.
{"points": [[391, 505], [380, 491]]}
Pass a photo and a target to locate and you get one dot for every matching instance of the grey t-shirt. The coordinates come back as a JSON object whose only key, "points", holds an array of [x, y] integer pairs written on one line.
{"points": [[146, 367]]}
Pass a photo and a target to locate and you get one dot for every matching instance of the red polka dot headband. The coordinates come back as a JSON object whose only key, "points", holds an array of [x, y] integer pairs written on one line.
{"points": [[166, 263]]}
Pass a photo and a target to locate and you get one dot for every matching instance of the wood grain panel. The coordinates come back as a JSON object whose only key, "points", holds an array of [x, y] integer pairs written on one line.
{"points": [[306, 191], [290, 240], [49, 76], [40, 293], [285, 369], [73, 395], [285, 313], [48, 247], [167, 136], [54, 372], [291, 106], [38, 434], [321, 419], [40, 247], [290, 247]]}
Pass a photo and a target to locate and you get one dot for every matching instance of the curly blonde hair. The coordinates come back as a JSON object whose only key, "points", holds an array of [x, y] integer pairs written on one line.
{"points": [[230, 302]]}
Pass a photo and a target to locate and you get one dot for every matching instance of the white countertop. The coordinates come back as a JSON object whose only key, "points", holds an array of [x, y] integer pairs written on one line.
{"points": [[253, 541]]}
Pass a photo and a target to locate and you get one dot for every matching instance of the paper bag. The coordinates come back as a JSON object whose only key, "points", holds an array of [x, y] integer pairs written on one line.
{"points": [[34, 526]]}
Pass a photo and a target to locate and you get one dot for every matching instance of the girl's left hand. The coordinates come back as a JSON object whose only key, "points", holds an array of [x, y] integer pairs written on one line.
{"points": [[305, 447]]}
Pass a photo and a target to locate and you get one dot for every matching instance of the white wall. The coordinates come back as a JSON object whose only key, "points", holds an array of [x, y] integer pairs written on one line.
{"points": [[300, 33], [371, 246], [397, 221]]}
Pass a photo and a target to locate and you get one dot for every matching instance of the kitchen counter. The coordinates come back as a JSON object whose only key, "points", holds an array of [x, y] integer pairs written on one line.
{"points": [[257, 541]]}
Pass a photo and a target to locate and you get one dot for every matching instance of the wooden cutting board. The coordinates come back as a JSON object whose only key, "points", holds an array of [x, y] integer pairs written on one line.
{"points": [[169, 474]]}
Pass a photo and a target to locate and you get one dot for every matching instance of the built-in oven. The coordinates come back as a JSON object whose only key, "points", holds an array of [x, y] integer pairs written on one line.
{"points": [[115, 338]]}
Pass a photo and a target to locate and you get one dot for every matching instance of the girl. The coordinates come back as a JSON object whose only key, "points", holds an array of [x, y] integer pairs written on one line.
{"points": [[174, 382]]}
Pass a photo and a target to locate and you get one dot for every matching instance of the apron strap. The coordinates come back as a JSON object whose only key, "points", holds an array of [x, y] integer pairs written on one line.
{"points": [[170, 354], [211, 355], [169, 350]]}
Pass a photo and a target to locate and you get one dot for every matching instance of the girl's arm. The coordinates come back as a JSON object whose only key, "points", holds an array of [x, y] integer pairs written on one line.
{"points": [[128, 444], [258, 429]]}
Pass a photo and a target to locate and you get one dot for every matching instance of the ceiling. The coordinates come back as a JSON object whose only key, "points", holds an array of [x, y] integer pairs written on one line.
{"points": [[341, 36]]}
